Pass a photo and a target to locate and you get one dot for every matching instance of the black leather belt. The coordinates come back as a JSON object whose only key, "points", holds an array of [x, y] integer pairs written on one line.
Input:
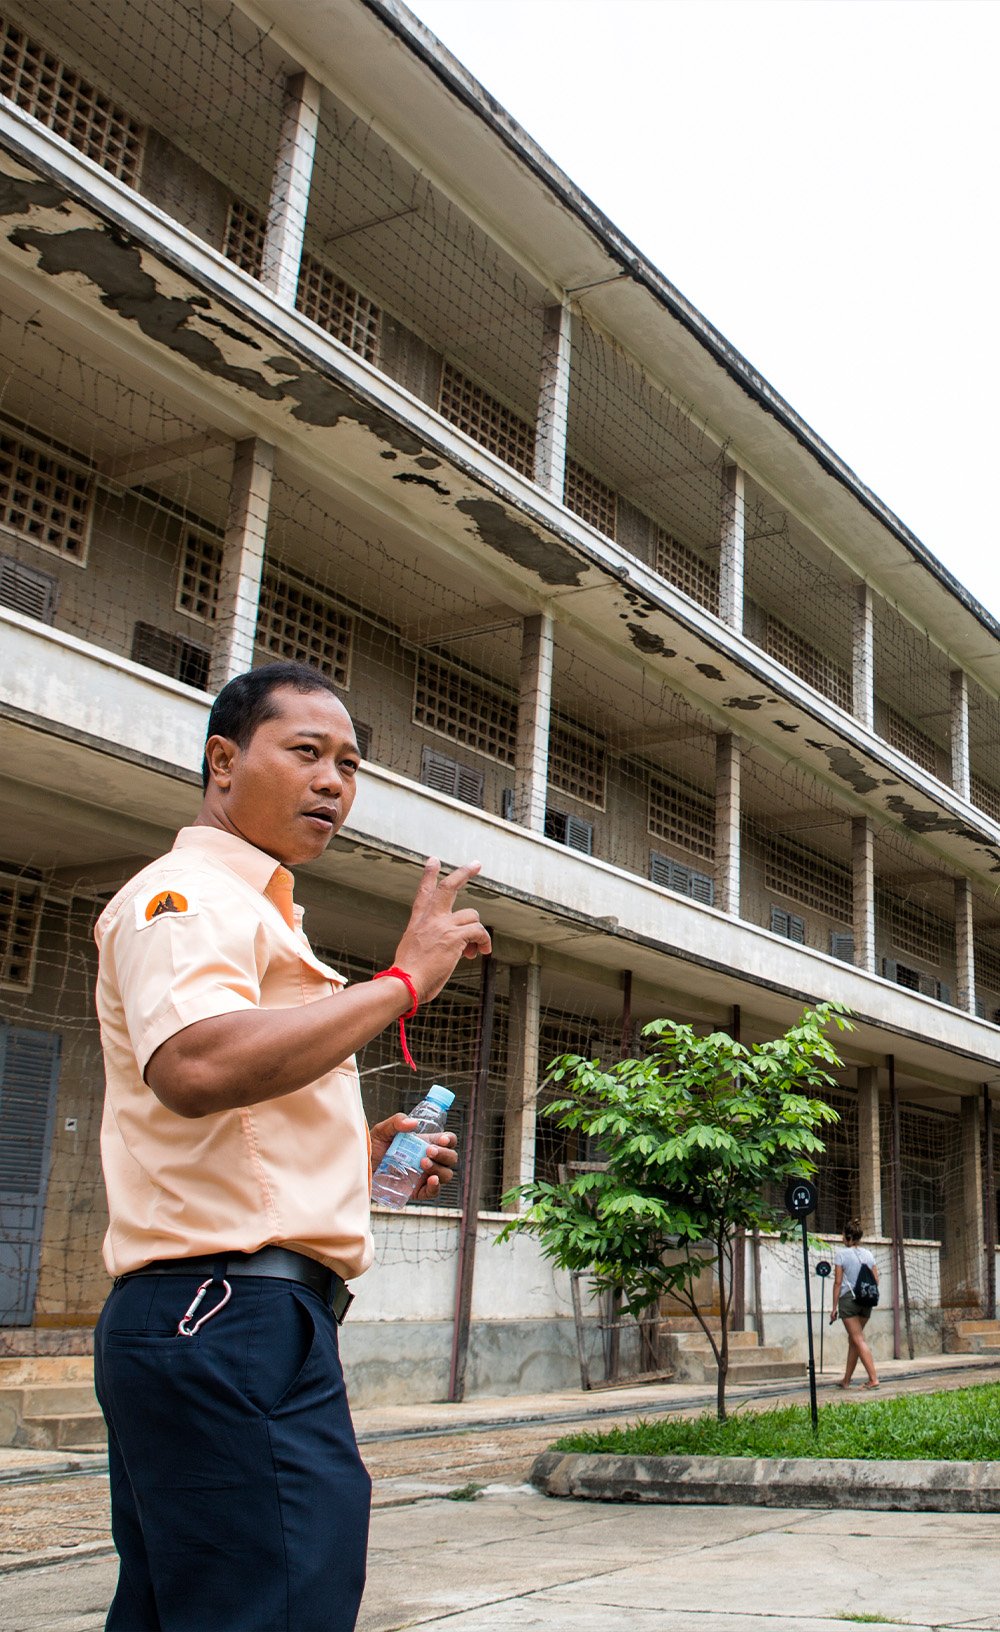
{"points": [[277, 1263]]}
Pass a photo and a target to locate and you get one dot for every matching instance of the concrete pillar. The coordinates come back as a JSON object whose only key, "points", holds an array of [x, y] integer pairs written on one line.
{"points": [[242, 561], [863, 874], [863, 658], [289, 202], [728, 768], [553, 400], [523, 1034], [534, 709], [732, 547], [960, 732], [869, 1151], [962, 1247], [965, 956]]}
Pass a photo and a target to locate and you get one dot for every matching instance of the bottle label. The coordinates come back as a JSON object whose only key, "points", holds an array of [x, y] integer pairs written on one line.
{"points": [[406, 1150]]}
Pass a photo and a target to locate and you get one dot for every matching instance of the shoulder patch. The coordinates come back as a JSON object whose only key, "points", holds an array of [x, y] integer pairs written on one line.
{"points": [[175, 902]]}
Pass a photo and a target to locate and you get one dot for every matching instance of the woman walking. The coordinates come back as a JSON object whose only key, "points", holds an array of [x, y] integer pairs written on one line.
{"points": [[848, 1261]]}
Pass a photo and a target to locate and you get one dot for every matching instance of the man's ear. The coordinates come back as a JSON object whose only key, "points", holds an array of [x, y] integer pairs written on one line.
{"points": [[220, 753]]}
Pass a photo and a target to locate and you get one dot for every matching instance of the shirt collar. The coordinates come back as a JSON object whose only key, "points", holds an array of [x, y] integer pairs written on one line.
{"points": [[259, 869]]}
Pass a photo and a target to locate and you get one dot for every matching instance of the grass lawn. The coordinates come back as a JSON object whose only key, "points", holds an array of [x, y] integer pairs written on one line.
{"points": [[956, 1425]]}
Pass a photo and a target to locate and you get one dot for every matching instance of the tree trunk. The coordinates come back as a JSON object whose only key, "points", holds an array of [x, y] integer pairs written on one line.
{"points": [[724, 1302]]}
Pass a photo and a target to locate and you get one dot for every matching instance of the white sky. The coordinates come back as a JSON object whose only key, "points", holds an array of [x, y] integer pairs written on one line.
{"points": [[820, 178]]}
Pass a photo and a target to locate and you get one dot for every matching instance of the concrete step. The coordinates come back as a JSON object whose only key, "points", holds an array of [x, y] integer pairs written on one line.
{"points": [[753, 1372], [698, 1340], [19, 1341], [702, 1369], [17, 1371], [970, 1336], [51, 1399], [62, 1432]]}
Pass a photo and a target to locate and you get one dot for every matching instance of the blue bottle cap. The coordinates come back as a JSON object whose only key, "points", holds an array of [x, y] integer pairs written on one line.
{"points": [[440, 1096]]}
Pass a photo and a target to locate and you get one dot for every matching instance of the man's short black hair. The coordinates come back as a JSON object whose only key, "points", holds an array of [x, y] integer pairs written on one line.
{"points": [[247, 701]]}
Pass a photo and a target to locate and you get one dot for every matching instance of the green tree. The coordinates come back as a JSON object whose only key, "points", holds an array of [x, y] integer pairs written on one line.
{"points": [[691, 1135]]}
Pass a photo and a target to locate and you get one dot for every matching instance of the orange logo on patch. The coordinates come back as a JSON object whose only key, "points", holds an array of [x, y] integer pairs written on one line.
{"points": [[166, 901]]}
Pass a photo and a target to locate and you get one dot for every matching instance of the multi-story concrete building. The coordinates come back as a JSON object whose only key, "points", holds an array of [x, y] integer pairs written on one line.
{"points": [[308, 350]]}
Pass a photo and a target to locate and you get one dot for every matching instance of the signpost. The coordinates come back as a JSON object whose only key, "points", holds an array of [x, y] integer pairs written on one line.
{"points": [[823, 1269], [800, 1200]]}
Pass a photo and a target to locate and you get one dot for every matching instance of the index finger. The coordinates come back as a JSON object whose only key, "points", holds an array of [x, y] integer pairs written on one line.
{"points": [[458, 879], [428, 880]]}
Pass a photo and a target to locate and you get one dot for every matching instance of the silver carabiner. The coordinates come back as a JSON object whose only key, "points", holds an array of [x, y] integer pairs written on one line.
{"points": [[184, 1329]]}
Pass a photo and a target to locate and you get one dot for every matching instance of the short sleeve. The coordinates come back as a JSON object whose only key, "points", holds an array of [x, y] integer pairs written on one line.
{"points": [[182, 951], [838, 1257]]}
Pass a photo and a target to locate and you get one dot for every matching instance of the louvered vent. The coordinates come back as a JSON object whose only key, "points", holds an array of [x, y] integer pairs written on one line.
{"points": [[172, 655], [446, 775], [673, 875], [35, 594]]}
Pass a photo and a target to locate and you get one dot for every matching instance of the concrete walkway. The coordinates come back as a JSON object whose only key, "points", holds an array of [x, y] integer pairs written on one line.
{"points": [[513, 1561], [510, 1559]]}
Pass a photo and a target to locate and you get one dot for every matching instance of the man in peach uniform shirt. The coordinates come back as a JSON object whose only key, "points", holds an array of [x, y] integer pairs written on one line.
{"points": [[238, 1168]]}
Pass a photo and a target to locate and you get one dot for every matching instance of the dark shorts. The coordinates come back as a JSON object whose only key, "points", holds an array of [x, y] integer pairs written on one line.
{"points": [[239, 1500], [847, 1304]]}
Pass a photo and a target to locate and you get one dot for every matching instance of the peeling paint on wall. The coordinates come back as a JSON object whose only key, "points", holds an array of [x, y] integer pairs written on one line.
{"points": [[551, 562], [846, 766], [646, 640], [112, 261], [750, 704], [421, 480], [21, 197], [710, 672]]}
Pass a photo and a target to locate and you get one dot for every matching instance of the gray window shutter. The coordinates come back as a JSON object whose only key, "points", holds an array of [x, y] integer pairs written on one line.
{"points": [[980, 1009], [26, 590], [943, 993], [446, 775], [841, 946], [363, 735], [889, 969], [703, 888], [469, 785], [171, 654], [673, 875], [29, 1076], [507, 804], [661, 869], [579, 834], [788, 924]]}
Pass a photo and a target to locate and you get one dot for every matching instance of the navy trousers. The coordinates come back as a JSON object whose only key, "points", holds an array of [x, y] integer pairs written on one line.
{"points": [[239, 1501]]}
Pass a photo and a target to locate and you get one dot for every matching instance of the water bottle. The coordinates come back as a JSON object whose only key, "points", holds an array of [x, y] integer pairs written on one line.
{"points": [[399, 1172]]}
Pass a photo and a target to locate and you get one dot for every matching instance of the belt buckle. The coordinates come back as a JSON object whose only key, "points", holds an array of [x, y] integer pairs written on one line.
{"points": [[340, 1301]]}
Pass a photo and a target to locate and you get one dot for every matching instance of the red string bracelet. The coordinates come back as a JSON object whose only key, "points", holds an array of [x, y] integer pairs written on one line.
{"points": [[401, 974]]}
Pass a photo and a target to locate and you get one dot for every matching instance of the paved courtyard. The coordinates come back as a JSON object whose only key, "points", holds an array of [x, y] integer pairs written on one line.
{"points": [[514, 1561]]}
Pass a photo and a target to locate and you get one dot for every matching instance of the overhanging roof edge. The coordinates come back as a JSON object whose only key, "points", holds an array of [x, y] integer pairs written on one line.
{"points": [[414, 34]]}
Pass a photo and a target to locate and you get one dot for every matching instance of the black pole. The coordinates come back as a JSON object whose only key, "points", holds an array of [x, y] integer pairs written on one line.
{"points": [[822, 1320], [809, 1324]]}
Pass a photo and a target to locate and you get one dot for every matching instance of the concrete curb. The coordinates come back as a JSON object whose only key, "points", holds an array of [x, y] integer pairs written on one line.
{"points": [[915, 1487]]}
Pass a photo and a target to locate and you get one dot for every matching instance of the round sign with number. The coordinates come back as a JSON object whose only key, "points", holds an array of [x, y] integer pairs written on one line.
{"points": [[823, 1268], [800, 1198]]}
